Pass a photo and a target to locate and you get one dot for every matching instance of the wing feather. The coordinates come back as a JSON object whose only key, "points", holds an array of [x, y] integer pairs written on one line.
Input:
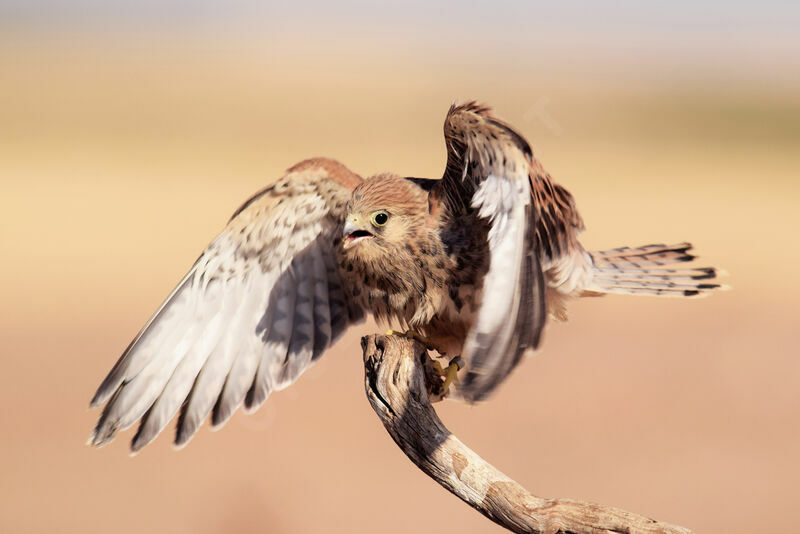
{"points": [[259, 306], [154, 329], [301, 343], [275, 328], [321, 304], [488, 174], [206, 389], [247, 349], [180, 382]]}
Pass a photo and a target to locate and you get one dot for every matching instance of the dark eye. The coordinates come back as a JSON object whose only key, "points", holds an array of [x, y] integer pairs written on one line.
{"points": [[379, 218]]}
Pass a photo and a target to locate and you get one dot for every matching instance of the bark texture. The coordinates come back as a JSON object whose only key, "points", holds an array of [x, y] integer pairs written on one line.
{"points": [[399, 387]]}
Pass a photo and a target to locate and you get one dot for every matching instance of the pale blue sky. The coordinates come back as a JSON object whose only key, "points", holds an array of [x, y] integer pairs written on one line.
{"points": [[743, 35], [676, 14]]}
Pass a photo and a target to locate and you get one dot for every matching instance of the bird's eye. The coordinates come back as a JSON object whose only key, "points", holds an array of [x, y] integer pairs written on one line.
{"points": [[379, 218]]}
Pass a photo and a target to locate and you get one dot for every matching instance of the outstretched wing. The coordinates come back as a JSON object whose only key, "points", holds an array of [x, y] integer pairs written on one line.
{"points": [[259, 306], [489, 174]]}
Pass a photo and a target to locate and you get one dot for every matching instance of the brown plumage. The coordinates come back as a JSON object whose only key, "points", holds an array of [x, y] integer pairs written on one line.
{"points": [[473, 261]]}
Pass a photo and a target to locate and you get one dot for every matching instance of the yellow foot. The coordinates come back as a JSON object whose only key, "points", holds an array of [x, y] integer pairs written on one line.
{"points": [[449, 373], [429, 343]]}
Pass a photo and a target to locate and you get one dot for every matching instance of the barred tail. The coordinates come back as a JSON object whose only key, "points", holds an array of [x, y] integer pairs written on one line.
{"points": [[650, 270]]}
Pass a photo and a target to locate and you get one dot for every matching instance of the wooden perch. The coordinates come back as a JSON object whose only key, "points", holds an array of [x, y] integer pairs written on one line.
{"points": [[399, 384]]}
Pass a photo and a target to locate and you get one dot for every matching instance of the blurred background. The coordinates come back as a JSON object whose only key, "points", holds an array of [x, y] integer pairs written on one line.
{"points": [[130, 131]]}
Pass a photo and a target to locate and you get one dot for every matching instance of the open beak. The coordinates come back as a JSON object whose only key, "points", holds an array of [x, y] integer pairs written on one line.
{"points": [[352, 234]]}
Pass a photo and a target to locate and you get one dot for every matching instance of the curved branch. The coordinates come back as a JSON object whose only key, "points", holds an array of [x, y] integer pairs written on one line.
{"points": [[399, 384]]}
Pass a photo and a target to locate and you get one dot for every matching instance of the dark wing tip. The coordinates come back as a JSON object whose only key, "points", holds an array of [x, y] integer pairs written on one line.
{"points": [[97, 398], [486, 113], [139, 441], [107, 389], [472, 106], [103, 433], [185, 428], [469, 389], [145, 433]]}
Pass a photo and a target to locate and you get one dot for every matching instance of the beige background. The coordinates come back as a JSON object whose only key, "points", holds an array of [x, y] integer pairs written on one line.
{"points": [[123, 151]]}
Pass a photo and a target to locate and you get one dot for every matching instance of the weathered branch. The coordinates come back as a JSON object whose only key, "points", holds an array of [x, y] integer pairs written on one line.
{"points": [[398, 386]]}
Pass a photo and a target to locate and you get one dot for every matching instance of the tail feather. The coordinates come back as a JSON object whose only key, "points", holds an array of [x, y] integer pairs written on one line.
{"points": [[701, 273], [647, 256], [644, 271], [646, 250]]}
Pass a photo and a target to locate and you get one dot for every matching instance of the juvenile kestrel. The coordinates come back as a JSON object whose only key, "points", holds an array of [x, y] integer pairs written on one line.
{"points": [[473, 262]]}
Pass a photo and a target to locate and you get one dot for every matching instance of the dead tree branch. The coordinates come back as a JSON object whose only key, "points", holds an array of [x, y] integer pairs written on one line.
{"points": [[398, 386]]}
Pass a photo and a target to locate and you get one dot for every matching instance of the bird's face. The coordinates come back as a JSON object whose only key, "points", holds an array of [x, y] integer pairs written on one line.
{"points": [[382, 217], [375, 233], [360, 228]]}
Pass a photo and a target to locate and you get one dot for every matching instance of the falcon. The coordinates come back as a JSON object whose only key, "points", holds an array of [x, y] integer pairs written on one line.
{"points": [[473, 263]]}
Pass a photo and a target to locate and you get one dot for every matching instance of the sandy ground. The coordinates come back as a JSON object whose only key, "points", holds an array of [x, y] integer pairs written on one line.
{"points": [[119, 165]]}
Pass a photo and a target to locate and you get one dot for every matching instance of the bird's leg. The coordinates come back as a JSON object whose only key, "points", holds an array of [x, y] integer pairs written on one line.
{"points": [[450, 373], [410, 334]]}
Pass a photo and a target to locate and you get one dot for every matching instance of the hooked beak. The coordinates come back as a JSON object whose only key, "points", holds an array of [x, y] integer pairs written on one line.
{"points": [[352, 234]]}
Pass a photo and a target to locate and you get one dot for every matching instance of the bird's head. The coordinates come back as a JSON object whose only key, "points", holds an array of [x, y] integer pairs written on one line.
{"points": [[383, 215]]}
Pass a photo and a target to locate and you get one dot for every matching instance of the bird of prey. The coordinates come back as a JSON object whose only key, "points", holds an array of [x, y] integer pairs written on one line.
{"points": [[474, 263]]}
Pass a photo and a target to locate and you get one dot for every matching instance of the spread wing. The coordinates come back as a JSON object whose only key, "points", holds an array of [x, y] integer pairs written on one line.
{"points": [[489, 174], [258, 308]]}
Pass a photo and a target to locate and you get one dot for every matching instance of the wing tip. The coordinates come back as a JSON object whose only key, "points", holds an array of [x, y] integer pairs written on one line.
{"points": [[144, 435], [485, 112], [220, 415], [102, 434], [257, 394], [469, 391], [105, 390], [91, 440], [185, 430], [180, 443], [472, 106]]}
